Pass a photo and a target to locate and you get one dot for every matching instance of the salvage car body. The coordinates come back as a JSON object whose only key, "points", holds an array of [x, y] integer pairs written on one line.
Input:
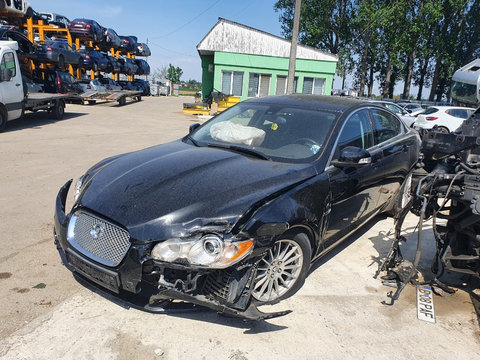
{"points": [[142, 222]]}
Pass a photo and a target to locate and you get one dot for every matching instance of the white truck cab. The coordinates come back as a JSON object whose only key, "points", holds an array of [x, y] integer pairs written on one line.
{"points": [[11, 84]]}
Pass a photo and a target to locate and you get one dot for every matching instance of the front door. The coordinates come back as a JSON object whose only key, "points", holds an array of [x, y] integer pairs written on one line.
{"points": [[12, 91], [354, 190]]}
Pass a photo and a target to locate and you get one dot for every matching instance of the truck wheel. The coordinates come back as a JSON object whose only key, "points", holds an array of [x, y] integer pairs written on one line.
{"points": [[122, 101], [139, 98], [59, 109], [3, 121], [92, 102]]}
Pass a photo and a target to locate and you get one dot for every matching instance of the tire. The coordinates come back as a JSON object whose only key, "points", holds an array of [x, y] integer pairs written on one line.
{"points": [[61, 62], [92, 102], [59, 109], [139, 98], [80, 62], [402, 197], [282, 271], [3, 120], [95, 67], [122, 101], [442, 129]]}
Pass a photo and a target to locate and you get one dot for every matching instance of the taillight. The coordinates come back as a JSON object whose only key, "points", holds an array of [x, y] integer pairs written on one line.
{"points": [[89, 26], [89, 87], [127, 42], [58, 82], [49, 48], [87, 57], [108, 34], [431, 118]]}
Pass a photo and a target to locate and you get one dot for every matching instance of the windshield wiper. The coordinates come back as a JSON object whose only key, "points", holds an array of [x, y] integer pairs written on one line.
{"points": [[194, 142], [241, 150]]}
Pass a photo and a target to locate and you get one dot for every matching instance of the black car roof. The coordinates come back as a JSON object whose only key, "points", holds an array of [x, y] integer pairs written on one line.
{"points": [[332, 103]]}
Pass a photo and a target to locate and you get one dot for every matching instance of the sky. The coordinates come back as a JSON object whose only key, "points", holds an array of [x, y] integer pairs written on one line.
{"points": [[173, 28]]}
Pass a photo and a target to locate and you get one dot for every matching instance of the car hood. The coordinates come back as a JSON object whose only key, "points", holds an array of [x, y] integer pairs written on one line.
{"points": [[176, 189]]}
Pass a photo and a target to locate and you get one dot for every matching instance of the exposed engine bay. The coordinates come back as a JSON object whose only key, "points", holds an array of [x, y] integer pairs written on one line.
{"points": [[446, 191]]}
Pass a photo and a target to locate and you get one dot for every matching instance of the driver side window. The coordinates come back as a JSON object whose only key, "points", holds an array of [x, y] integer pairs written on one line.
{"points": [[356, 132]]}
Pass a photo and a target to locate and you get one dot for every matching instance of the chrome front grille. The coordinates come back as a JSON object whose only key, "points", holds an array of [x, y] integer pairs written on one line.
{"points": [[98, 239]]}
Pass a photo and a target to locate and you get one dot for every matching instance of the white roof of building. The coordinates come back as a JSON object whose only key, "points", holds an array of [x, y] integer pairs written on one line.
{"points": [[229, 36]]}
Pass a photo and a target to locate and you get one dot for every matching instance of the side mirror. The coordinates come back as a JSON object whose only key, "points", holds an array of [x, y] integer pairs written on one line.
{"points": [[352, 156], [6, 75], [193, 127]]}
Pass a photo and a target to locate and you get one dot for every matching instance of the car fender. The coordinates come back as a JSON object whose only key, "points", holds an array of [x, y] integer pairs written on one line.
{"points": [[305, 206]]}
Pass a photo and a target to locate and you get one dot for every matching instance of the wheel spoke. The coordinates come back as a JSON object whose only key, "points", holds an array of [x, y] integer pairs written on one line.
{"points": [[292, 267], [292, 259], [290, 276], [261, 281], [282, 280], [270, 289], [290, 253]]}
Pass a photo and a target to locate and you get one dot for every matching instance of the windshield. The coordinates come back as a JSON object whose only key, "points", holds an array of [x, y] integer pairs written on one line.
{"points": [[281, 133], [465, 93]]}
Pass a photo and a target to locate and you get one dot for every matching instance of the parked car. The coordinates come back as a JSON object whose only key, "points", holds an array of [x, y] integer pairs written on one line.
{"points": [[110, 40], [55, 19], [110, 84], [446, 118], [25, 46], [59, 52], [113, 65], [91, 85], [143, 50], [16, 7], [86, 28], [128, 66], [233, 214], [129, 44], [142, 67], [142, 85], [410, 107], [126, 85], [56, 81], [94, 59], [30, 86], [401, 112]]}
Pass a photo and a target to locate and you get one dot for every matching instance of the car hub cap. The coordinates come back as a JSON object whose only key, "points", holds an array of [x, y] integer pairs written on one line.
{"points": [[278, 271]]}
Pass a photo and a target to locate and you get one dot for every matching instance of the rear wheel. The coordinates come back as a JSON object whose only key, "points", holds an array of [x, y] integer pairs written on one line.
{"points": [[283, 269], [59, 109], [92, 102], [95, 67], [122, 101]]}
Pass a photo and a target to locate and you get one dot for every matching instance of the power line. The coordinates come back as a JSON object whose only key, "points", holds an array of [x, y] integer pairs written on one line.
{"points": [[188, 22]]}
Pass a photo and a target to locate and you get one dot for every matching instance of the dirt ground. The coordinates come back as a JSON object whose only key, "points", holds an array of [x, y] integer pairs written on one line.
{"points": [[46, 314]]}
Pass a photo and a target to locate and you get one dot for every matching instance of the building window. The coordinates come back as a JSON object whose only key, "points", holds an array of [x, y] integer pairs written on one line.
{"points": [[232, 82], [313, 86], [282, 85], [258, 85]]}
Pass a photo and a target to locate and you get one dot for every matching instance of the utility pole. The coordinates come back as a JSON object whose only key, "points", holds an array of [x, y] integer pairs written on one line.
{"points": [[293, 47]]}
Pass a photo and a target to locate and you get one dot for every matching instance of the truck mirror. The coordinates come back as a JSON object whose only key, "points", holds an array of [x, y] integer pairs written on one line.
{"points": [[6, 75]]}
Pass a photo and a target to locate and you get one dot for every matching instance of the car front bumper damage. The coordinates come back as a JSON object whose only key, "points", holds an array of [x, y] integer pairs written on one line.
{"points": [[154, 286]]}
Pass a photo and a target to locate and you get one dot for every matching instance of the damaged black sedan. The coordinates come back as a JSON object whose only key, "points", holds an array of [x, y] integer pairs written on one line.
{"points": [[231, 216]]}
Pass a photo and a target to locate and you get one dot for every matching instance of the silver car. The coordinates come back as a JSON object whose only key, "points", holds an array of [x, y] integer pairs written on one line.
{"points": [[92, 85]]}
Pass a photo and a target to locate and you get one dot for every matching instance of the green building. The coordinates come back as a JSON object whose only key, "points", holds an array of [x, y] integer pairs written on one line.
{"points": [[246, 62]]}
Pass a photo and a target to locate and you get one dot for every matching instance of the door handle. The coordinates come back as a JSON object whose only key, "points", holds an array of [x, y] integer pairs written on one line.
{"points": [[17, 84]]}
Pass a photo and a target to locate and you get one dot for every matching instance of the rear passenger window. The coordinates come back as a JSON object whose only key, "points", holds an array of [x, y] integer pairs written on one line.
{"points": [[357, 132], [385, 125], [459, 113]]}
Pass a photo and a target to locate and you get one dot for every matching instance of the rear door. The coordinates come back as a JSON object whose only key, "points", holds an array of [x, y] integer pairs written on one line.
{"points": [[389, 136], [354, 190]]}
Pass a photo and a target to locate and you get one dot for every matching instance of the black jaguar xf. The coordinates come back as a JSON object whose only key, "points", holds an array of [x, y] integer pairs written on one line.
{"points": [[232, 215]]}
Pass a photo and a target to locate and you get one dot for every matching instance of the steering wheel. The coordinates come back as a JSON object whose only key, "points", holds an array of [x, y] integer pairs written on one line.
{"points": [[313, 146]]}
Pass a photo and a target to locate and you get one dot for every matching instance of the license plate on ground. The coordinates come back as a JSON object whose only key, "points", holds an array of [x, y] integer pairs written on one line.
{"points": [[103, 277], [425, 308]]}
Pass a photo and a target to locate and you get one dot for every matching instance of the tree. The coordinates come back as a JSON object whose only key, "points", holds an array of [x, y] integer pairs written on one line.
{"points": [[159, 74], [174, 73]]}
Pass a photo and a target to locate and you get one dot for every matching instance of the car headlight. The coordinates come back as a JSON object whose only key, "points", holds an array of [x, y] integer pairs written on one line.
{"points": [[209, 251], [78, 188]]}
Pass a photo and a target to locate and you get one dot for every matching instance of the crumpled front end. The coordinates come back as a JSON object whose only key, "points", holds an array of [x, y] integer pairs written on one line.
{"points": [[102, 252]]}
